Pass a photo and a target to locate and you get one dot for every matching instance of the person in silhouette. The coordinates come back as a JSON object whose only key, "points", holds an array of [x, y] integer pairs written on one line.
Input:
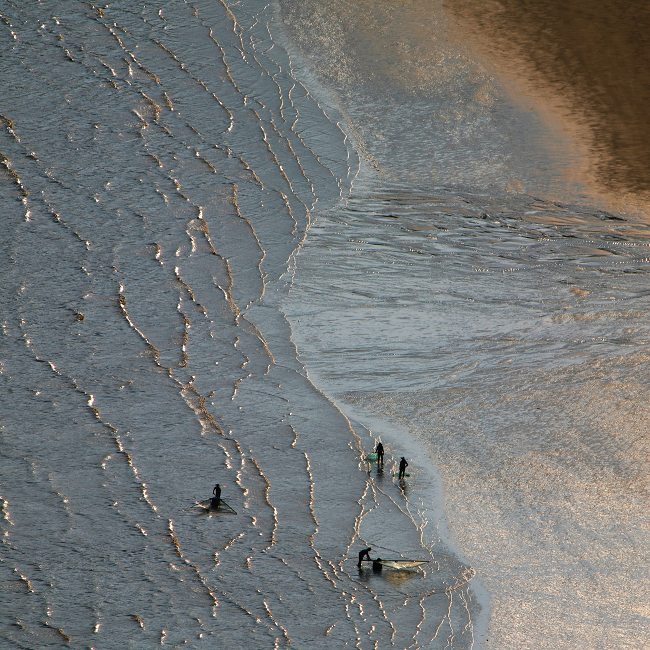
{"points": [[380, 453], [377, 565], [216, 499], [402, 467], [364, 553]]}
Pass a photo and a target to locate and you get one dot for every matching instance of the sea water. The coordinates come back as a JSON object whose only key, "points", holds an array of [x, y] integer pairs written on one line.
{"points": [[484, 313], [514, 351]]}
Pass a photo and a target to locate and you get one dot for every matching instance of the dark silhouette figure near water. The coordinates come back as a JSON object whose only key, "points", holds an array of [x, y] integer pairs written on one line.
{"points": [[402, 467], [216, 499], [377, 565], [380, 453], [364, 553]]}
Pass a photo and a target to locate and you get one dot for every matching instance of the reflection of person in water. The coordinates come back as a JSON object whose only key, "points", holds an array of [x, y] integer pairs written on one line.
{"points": [[402, 467], [364, 554], [380, 453]]}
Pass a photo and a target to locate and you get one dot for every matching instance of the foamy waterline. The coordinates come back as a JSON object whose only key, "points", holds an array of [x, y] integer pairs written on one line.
{"points": [[498, 331]]}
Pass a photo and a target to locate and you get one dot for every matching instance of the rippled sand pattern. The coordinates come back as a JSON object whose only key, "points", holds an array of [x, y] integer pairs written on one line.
{"points": [[159, 166]]}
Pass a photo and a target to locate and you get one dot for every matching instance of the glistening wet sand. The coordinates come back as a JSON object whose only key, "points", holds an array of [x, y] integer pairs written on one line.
{"points": [[160, 166]]}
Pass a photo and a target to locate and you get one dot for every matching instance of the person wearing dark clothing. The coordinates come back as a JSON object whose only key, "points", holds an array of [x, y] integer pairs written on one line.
{"points": [[380, 453], [377, 565], [402, 467], [216, 499], [364, 553]]}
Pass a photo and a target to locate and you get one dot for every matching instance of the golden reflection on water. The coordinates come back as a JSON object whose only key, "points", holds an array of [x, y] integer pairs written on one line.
{"points": [[587, 63]]}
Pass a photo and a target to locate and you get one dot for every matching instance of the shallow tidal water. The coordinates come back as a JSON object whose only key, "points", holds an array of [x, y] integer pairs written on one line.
{"points": [[580, 64], [509, 339], [160, 165], [481, 300], [222, 263]]}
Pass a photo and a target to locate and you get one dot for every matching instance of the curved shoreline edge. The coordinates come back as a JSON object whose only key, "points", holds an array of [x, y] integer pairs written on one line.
{"points": [[431, 497]]}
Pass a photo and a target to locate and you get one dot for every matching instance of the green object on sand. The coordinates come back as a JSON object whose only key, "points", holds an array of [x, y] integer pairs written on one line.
{"points": [[371, 457]]}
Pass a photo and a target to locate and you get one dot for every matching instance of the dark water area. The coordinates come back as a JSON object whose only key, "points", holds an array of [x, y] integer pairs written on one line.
{"points": [[421, 110], [589, 61]]}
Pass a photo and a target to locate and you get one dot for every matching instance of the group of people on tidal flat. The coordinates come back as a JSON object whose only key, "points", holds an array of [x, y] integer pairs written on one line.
{"points": [[364, 553], [215, 501], [379, 450]]}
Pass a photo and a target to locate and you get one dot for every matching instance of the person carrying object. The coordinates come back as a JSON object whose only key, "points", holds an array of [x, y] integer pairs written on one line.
{"points": [[216, 499]]}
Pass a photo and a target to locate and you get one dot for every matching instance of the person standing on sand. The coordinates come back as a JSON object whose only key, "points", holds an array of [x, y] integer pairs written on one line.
{"points": [[379, 450], [364, 553], [402, 467], [216, 499]]}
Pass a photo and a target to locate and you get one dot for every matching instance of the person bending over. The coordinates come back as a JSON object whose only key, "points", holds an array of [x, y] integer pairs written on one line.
{"points": [[364, 554]]}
